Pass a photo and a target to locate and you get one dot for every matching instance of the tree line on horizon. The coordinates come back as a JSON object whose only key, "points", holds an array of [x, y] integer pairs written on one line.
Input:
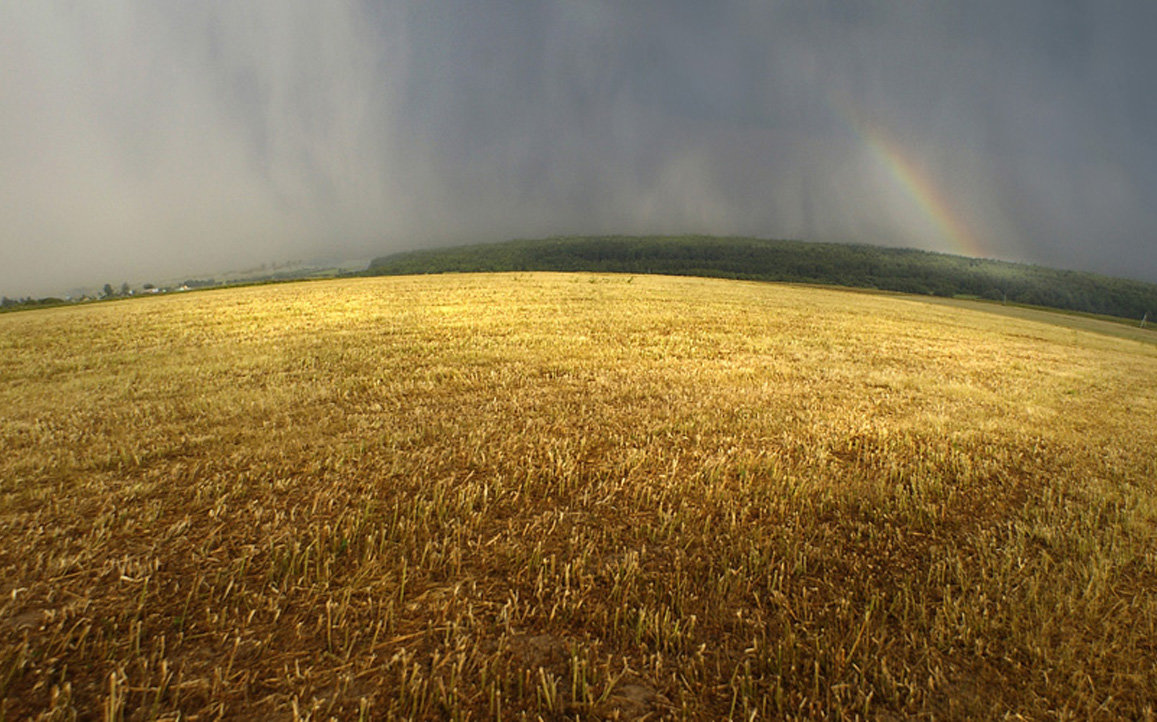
{"points": [[107, 293], [754, 259]]}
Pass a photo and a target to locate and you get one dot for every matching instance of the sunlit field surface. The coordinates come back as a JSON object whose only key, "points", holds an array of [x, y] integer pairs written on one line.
{"points": [[572, 496]]}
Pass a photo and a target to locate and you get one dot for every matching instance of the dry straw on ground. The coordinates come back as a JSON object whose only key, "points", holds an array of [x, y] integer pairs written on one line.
{"points": [[572, 496]]}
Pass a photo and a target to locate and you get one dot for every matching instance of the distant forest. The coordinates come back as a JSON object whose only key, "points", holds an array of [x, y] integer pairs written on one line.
{"points": [[859, 266]]}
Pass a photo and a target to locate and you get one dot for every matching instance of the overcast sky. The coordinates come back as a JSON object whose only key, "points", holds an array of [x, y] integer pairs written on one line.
{"points": [[151, 139]]}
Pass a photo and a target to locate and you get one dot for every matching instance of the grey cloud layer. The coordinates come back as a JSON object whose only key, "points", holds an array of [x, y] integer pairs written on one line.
{"points": [[142, 138]]}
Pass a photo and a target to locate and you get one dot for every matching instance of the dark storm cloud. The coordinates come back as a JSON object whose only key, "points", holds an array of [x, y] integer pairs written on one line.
{"points": [[141, 138]]}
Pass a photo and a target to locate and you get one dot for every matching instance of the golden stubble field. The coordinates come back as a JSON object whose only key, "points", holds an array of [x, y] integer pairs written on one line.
{"points": [[572, 496]]}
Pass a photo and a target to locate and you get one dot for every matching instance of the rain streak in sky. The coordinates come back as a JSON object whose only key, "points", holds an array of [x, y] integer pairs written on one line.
{"points": [[143, 140]]}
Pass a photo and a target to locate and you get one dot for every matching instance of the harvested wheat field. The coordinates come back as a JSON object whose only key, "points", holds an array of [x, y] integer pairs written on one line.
{"points": [[572, 497]]}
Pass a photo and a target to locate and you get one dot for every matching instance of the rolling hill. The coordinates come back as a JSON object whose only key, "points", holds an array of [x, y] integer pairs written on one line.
{"points": [[889, 269]]}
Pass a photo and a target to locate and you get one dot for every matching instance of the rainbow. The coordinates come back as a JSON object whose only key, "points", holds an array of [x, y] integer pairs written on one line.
{"points": [[916, 184]]}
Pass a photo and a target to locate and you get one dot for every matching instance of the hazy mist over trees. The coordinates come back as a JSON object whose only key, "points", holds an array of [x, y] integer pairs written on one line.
{"points": [[887, 269]]}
